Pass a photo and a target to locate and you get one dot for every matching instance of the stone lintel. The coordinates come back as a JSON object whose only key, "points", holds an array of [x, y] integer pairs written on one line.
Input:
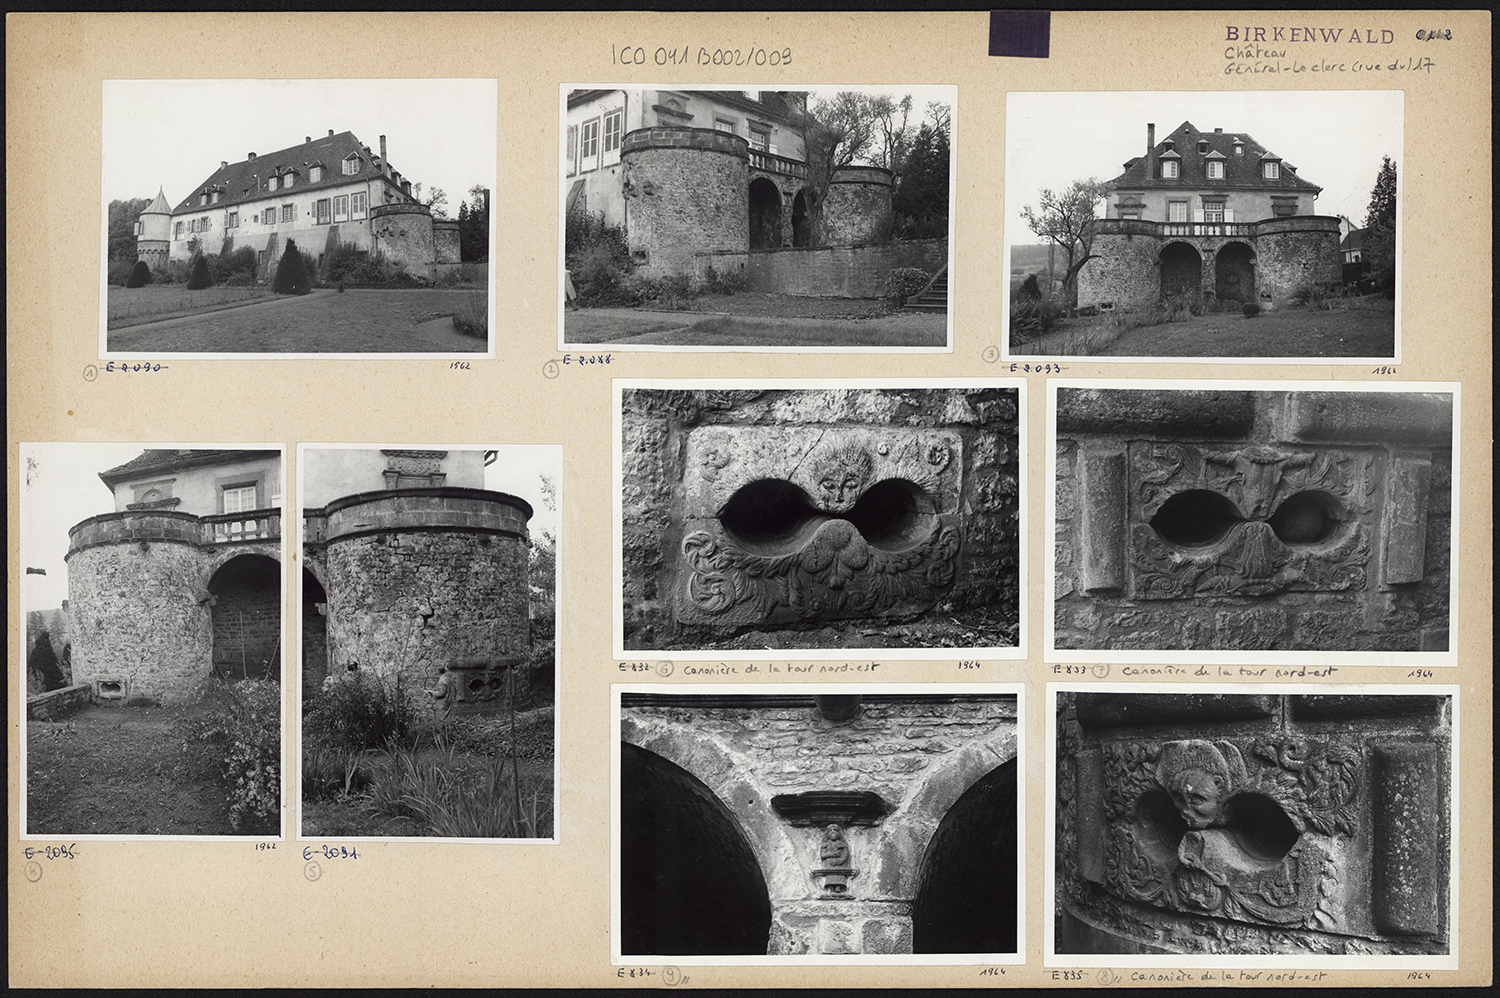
{"points": [[1371, 417], [1192, 413], [823, 807]]}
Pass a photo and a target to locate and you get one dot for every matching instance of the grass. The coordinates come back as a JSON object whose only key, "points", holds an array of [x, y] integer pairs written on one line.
{"points": [[107, 770], [907, 329], [129, 306], [1335, 327]]}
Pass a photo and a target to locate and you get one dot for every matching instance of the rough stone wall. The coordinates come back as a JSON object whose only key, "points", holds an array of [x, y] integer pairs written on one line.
{"points": [[1286, 261], [247, 624], [445, 241], [1126, 271], [404, 600], [57, 704], [918, 755], [404, 234], [827, 271], [686, 192], [137, 616], [1380, 465], [858, 206], [1325, 828], [656, 425]]}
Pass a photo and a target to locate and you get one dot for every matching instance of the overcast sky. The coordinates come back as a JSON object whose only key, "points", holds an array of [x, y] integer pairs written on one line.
{"points": [[62, 488], [172, 134], [1334, 138]]}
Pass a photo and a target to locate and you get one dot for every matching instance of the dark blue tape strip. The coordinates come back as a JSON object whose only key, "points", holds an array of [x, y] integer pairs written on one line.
{"points": [[1023, 34]]}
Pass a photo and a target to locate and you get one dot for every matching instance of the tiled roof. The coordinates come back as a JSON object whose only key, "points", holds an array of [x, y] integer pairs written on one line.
{"points": [[1354, 240], [159, 206], [164, 461], [1239, 171], [246, 180]]}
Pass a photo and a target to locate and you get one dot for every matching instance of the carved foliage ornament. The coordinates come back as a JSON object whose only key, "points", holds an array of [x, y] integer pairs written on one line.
{"points": [[1195, 828], [1248, 520]]}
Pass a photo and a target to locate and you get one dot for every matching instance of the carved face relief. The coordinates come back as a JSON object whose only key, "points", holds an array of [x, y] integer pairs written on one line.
{"points": [[841, 475]]}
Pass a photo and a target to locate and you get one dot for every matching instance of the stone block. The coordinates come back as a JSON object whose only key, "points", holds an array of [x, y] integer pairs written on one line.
{"points": [[1405, 886], [886, 935], [1124, 710], [837, 937], [1374, 417], [1195, 414], [1405, 518], [1102, 544]]}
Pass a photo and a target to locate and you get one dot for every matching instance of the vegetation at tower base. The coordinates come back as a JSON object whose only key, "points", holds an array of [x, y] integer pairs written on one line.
{"points": [[1380, 228], [199, 277], [291, 273], [140, 275]]}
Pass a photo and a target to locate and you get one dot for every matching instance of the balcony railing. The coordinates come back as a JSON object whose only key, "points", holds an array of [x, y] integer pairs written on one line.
{"points": [[772, 163], [253, 525], [1281, 223]]}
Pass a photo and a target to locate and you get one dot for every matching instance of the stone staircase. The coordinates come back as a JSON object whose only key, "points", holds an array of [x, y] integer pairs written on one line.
{"points": [[934, 297]]}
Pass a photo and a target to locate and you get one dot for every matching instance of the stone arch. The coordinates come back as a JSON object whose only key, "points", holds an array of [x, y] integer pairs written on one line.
{"points": [[968, 881], [1234, 272], [765, 214], [721, 771], [802, 218], [245, 613], [1181, 268], [314, 633], [690, 883]]}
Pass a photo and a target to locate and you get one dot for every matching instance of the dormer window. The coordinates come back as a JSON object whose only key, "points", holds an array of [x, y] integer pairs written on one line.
{"points": [[1170, 169], [1239, 148], [203, 198], [272, 183], [351, 165], [287, 180], [1215, 169], [214, 198], [1202, 146], [316, 174], [1270, 169]]}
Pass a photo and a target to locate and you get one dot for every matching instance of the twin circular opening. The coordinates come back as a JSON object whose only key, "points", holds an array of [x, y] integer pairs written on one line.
{"points": [[1201, 517], [772, 515], [1260, 830]]}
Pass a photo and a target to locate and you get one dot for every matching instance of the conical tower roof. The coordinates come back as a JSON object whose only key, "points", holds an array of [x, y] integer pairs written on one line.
{"points": [[159, 206]]}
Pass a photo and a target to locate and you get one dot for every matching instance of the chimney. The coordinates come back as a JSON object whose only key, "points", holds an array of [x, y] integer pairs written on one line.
{"points": [[250, 157], [330, 133], [384, 166], [224, 163], [1151, 150], [1218, 131]]}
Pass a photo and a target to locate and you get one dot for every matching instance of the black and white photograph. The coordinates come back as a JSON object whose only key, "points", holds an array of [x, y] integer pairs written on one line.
{"points": [[776, 220], [428, 612], [1255, 226], [226, 235], [808, 823], [824, 517], [1314, 826], [1295, 522], [152, 601]]}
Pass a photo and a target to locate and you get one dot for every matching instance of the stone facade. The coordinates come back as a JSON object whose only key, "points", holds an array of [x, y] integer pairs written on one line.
{"points": [[405, 581], [786, 508], [1257, 823], [1272, 520], [170, 588], [818, 825], [827, 271]]}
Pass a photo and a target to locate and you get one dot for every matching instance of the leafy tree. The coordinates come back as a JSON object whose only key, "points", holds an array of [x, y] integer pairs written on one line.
{"points": [[474, 225], [921, 199], [291, 272], [1379, 240], [140, 275], [122, 219], [1063, 217], [199, 277], [436, 202], [42, 662]]}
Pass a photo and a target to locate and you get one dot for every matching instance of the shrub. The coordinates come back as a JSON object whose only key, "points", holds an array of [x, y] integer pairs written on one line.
{"points": [[140, 275], [235, 267], [472, 318], [291, 272], [903, 283], [1031, 317], [730, 283], [198, 275], [1251, 309], [598, 259], [42, 662], [238, 734], [360, 711], [1030, 289]]}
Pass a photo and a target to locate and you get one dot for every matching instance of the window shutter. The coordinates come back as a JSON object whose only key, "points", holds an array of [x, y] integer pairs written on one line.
{"points": [[1197, 214], [1228, 214]]}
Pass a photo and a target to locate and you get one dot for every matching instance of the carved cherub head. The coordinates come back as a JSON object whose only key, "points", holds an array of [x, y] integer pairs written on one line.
{"points": [[840, 475], [1200, 777]]}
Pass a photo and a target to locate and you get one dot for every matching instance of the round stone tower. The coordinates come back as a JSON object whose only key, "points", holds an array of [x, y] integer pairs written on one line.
{"points": [[153, 232], [403, 234], [428, 578], [686, 192], [858, 208]]}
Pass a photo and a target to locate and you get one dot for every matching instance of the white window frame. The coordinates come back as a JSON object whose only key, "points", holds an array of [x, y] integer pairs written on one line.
{"points": [[588, 145], [764, 145], [289, 213], [268, 217], [287, 180], [234, 220], [272, 182], [177, 232], [1270, 170], [613, 130], [206, 224], [1216, 169], [322, 211], [341, 214], [1169, 169], [315, 174], [351, 165], [359, 204], [726, 125], [234, 498], [1213, 211], [1175, 208]]}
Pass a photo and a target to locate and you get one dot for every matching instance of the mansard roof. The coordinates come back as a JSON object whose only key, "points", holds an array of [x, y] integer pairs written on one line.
{"points": [[170, 461], [1243, 170], [246, 180]]}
